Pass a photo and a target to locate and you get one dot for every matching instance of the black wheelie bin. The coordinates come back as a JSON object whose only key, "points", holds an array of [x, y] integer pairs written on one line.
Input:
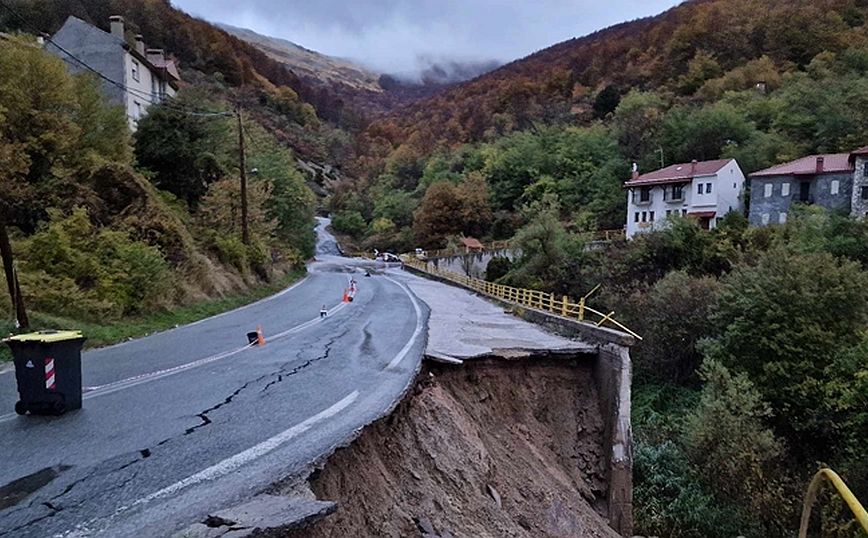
{"points": [[48, 371]]}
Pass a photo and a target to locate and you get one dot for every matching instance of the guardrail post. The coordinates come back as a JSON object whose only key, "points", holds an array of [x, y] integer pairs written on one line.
{"points": [[564, 306], [582, 309]]}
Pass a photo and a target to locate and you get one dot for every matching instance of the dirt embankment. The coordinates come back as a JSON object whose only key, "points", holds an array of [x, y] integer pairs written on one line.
{"points": [[491, 448]]}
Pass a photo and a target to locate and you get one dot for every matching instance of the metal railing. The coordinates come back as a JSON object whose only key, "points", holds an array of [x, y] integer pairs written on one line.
{"points": [[538, 300], [842, 490]]}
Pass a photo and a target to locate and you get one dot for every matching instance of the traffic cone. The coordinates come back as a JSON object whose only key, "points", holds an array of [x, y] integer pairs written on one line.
{"points": [[346, 298], [260, 339]]}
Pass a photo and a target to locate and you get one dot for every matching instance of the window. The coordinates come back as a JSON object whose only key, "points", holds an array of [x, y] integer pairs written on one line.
{"points": [[135, 70], [865, 193], [865, 170], [636, 217], [782, 218], [137, 111], [834, 187], [699, 188], [677, 192], [804, 191], [651, 216], [708, 188], [785, 189], [767, 190], [644, 216], [683, 212], [645, 194], [765, 218]]}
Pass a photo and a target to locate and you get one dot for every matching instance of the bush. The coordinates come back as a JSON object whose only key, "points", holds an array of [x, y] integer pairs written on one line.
{"points": [[350, 223], [674, 318], [72, 267], [497, 268], [736, 455], [783, 322], [231, 251]]}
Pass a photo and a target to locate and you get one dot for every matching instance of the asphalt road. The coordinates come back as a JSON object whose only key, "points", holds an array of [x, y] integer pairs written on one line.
{"points": [[180, 424]]}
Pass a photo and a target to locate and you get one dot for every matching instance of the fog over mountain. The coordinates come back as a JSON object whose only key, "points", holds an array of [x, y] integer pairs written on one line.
{"points": [[408, 37]]}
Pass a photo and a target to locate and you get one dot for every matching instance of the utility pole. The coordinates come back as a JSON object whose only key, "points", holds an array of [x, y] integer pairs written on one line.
{"points": [[12, 278], [245, 232]]}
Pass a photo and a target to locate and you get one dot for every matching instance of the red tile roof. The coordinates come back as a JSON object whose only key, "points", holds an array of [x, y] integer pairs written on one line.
{"points": [[679, 172], [861, 151], [835, 162], [472, 242]]}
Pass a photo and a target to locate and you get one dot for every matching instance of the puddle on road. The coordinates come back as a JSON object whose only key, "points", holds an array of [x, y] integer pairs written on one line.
{"points": [[16, 491]]}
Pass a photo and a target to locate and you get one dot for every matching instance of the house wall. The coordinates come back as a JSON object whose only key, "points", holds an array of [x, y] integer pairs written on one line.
{"points": [[858, 205], [776, 207], [726, 195], [103, 55], [140, 96]]}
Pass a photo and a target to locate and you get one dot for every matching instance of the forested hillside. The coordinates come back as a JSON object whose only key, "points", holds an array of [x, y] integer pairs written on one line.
{"points": [[753, 368], [120, 234], [761, 81]]}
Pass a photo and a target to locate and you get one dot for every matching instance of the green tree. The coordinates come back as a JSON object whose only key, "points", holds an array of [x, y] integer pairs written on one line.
{"points": [[675, 317], [184, 153], [782, 322], [736, 455]]}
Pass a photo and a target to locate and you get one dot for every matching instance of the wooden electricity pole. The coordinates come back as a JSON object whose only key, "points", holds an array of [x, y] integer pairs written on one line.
{"points": [[245, 232], [12, 277]]}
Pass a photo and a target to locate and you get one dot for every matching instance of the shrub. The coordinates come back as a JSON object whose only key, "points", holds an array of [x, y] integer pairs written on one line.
{"points": [[497, 268], [350, 223], [674, 318]]}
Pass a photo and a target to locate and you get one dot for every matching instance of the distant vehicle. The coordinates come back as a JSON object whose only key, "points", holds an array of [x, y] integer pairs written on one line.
{"points": [[388, 257]]}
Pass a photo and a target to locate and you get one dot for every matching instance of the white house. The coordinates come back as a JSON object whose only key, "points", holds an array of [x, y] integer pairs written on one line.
{"points": [[705, 190], [134, 76]]}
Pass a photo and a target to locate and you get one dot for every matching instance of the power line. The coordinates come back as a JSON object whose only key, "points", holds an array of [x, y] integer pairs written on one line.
{"points": [[131, 91]]}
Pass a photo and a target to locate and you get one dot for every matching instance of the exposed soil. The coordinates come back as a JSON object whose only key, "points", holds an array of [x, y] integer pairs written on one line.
{"points": [[490, 448]]}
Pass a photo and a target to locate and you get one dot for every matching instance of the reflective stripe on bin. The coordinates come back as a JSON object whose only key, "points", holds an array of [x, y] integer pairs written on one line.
{"points": [[49, 374]]}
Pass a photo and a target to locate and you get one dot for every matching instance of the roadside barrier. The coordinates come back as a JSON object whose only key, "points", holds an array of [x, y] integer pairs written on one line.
{"points": [[535, 299], [842, 490]]}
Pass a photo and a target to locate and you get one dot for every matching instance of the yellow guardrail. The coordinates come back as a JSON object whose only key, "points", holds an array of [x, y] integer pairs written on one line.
{"points": [[536, 299], [842, 489]]}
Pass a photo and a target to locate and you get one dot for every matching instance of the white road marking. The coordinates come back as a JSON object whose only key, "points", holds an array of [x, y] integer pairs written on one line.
{"points": [[109, 388], [419, 325], [255, 452]]}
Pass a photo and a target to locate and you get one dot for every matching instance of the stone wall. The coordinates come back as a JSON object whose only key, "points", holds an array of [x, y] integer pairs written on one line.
{"points": [[777, 203], [473, 264], [858, 205]]}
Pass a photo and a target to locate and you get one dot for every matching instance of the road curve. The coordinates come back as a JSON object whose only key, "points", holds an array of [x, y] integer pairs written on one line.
{"points": [[186, 422]]}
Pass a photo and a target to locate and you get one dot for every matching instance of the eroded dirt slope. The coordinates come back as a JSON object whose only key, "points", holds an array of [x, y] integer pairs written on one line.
{"points": [[490, 448]]}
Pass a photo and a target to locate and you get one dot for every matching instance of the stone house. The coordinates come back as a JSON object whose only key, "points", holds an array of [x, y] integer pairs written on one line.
{"points": [[837, 181], [138, 77], [705, 191]]}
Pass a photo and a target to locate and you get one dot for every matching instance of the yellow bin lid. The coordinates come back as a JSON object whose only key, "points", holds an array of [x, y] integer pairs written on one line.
{"points": [[46, 337]]}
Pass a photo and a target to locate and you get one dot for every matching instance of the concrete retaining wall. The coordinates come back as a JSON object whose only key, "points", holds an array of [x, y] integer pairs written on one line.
{"points": [[613, 377], [473, 264]]}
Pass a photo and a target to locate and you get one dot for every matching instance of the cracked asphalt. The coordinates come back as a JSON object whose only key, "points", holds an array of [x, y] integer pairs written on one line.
{"points": [[184, 423]]}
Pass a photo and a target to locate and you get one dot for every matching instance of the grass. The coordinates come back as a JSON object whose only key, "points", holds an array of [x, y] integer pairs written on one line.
{"points": [[99, 334]]}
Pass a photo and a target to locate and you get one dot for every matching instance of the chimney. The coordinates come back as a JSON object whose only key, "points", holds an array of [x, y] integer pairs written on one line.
{"points": [[635, 171], [117, 25], [140, 44], [820, 164], [693, 167], [157, 56]]}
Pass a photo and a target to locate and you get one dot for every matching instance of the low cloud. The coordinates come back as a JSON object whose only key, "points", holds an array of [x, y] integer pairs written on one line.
{"points": [[406, 36]]}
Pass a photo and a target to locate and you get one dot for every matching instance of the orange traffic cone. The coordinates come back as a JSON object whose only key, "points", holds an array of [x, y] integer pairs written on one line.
{"points": [[260, 338], [346, 298]]}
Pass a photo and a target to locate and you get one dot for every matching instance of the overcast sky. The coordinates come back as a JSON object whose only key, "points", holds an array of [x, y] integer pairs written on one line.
{"points": [[393, 35]]}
